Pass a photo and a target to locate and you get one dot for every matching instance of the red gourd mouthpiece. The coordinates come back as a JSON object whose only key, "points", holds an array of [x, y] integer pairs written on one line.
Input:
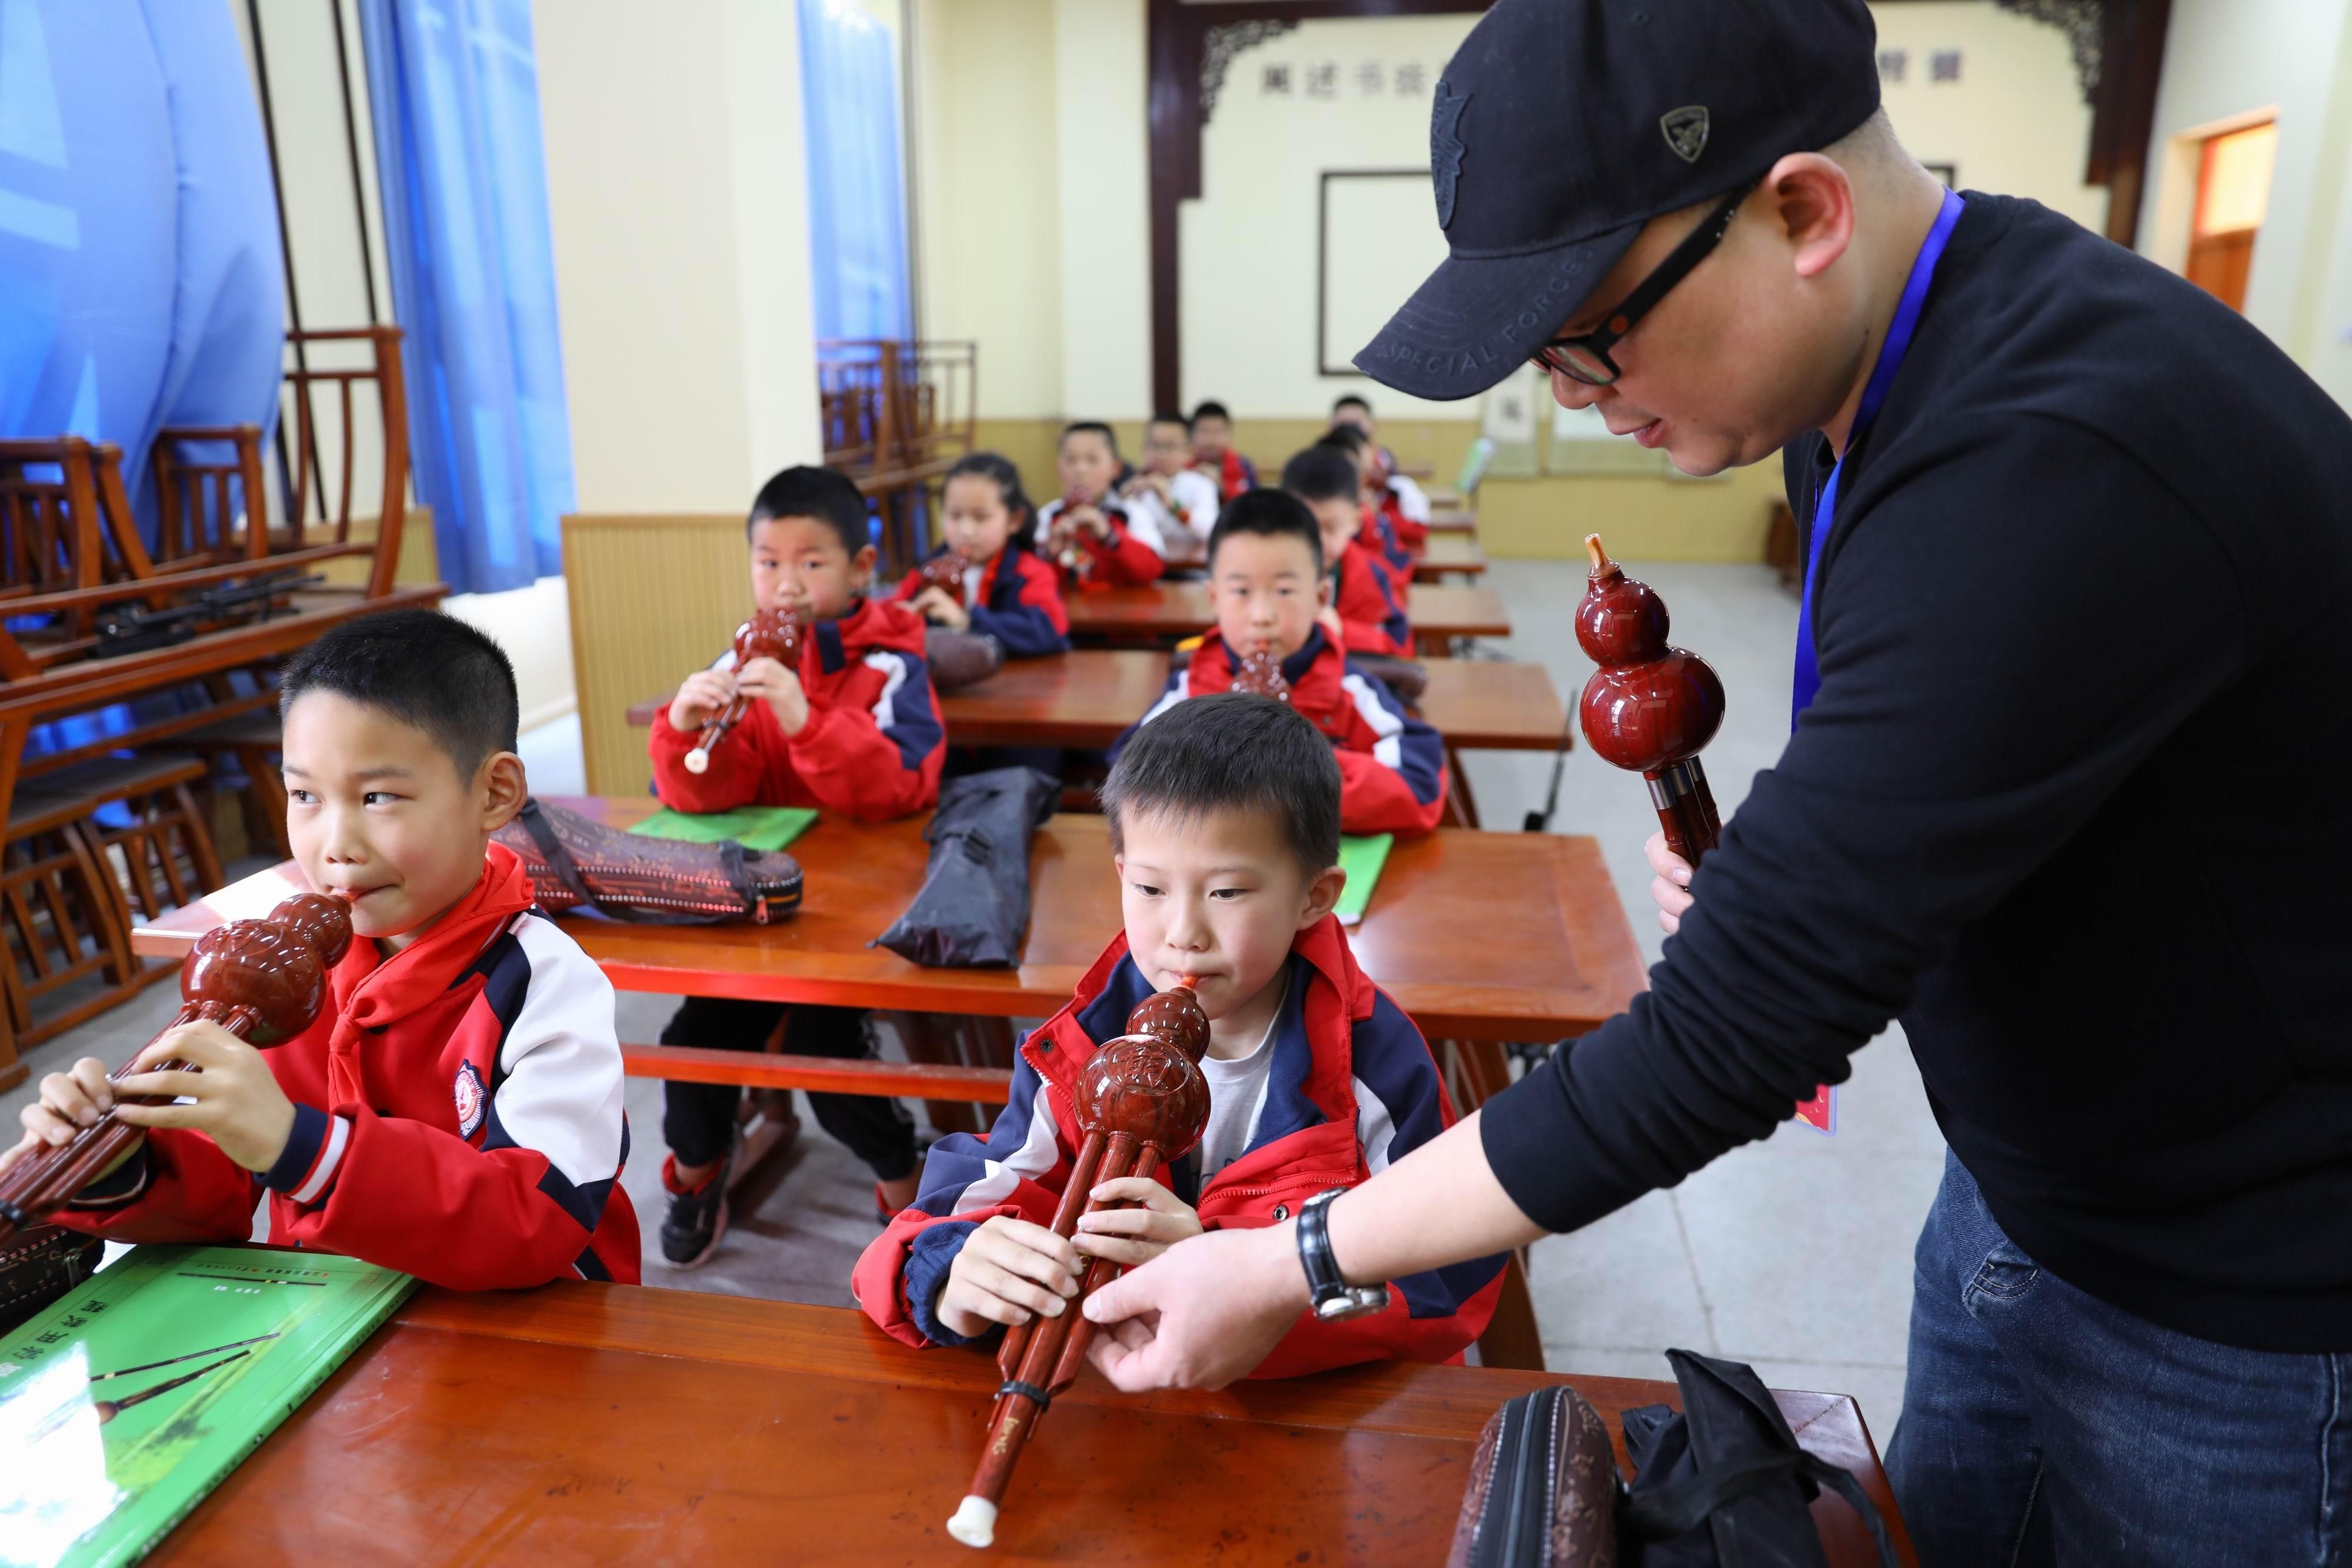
{"points": [[1650, 708]]}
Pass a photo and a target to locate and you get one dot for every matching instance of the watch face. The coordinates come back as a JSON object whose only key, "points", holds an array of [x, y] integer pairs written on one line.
{"points": [[1356, 1302]]}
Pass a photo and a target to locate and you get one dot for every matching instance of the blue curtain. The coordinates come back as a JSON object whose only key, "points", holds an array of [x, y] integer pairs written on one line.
{"points": [[857, 212], [454, 85]]}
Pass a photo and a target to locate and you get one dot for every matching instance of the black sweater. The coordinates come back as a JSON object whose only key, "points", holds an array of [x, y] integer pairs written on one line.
{"points": [[2075, 804]]}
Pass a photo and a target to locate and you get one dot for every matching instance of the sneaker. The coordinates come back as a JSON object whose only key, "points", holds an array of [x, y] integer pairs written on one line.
{"points": [[697, 1219]]}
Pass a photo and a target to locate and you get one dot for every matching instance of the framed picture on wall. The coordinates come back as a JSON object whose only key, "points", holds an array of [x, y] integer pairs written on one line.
{"points": [[1376, 241]]}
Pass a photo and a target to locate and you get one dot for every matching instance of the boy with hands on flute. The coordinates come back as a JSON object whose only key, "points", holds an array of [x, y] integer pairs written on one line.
{"points": [[456, 1110], [1224, 818]]}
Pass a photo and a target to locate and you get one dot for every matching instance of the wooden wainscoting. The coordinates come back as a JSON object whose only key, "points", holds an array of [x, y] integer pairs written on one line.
{"points": [[653, 597]]}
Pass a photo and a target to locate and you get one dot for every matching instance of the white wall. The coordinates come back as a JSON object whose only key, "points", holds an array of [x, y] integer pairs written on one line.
{"points": [[1248, 245], [2015, 123], [2225, 60], [677, 196]]}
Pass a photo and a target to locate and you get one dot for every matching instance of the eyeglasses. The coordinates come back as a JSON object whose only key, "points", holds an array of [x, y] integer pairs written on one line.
{"points": [[1585, 357]]}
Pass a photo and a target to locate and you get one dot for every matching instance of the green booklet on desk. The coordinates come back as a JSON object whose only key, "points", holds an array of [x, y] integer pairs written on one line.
{"points": [[752, 826], [1361, 858], [125, 1402]]}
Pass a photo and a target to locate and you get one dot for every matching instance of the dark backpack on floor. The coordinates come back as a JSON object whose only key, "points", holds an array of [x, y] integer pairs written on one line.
{"points": [[1720, 1483]]}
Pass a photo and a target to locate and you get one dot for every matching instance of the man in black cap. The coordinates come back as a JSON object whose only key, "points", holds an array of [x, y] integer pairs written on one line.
{"points": [[2066, 793]]}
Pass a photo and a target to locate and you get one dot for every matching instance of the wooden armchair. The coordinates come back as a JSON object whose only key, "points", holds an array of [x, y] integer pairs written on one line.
{"points": [[197, 521], [75, 531]]}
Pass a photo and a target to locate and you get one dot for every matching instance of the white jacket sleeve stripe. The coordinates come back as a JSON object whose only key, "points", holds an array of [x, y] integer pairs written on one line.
{"points": [[561, 1081]]}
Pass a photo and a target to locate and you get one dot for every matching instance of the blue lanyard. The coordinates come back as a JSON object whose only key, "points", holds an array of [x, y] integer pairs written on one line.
{"points": [[1882, 377]]}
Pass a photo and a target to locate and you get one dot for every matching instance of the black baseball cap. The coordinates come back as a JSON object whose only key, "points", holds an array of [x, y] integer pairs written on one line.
{"points": [[1560, 126]]}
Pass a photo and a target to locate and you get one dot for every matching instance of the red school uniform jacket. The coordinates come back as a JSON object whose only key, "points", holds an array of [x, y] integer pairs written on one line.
{"points": [[1379, 535], [874, 743], [1391, 765], [1352, 1089], [1371, 610], [1235, 474], [1127, 558], [1013, 598], [474, 1140]]}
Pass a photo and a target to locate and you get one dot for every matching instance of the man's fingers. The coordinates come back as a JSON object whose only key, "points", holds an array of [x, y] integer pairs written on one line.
{"points": [[1129, 1296], [1133, 1360], [1668, 923], [1673, 900], [1669, 866]]}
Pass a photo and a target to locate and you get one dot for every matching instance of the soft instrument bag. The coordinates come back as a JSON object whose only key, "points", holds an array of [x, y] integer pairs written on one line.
{"points": [[575, 863], [39, 1264], [973, 907]]}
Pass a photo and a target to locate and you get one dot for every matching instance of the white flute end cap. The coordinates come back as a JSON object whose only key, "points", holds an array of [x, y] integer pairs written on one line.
{"points": [[974, 1523], [697, 760]]}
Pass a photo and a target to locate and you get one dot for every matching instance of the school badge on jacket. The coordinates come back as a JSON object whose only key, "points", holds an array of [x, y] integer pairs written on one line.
{"points": [[471, 1098]]}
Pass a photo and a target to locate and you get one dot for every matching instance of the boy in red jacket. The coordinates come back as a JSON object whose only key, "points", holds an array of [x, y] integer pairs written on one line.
{"points": [[855, 729], [454, 1112], [1095, 540], [1267, 586], [1365, 609], [1215, 454], [1225, 824]]}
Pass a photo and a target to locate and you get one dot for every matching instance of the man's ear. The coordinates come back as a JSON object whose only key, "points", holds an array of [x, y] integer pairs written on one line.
{"points": [[1323, 895], [1813, 197], [502, 788]]}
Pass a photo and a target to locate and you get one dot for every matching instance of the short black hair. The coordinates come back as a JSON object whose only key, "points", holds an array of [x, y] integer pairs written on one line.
{"points": [[823, 495], [1346, 435], [1210, 408], [1233, 752], [1272, 514], [1320, 473], [423, 668], [1172, 417], [1082, 427], [1351, 400]]}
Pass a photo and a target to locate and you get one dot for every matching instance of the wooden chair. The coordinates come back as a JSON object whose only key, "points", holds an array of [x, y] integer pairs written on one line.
{"points": [[66, 914], [209, 512], [254, 739], [75, 531]]}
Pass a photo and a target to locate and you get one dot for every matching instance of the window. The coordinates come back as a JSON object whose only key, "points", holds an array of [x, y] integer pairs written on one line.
{"points": [[2233, 187]]}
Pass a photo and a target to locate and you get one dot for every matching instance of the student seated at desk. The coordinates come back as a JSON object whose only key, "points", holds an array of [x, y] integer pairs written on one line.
{"points": [[1183, 504], [1095, 540], [1410, 501], [455, 1111], [1362, 594], [1267, 591], [1378, 526], [856, 730], [1213, 452], [1008, 594], [1225, 824]]}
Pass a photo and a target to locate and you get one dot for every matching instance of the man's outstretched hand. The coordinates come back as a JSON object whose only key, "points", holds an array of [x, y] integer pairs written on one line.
{"points": [[1202, 1314]]}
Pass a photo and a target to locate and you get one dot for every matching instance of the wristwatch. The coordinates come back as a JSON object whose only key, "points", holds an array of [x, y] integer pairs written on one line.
{"points": [[1334, 1299]]}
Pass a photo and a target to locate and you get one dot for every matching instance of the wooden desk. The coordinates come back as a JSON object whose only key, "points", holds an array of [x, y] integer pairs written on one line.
{"points": [[69, 688], [585, 1423], [1564, 960], [1164, 612], [1442, 522], [1088, 697], [1448, 552]]}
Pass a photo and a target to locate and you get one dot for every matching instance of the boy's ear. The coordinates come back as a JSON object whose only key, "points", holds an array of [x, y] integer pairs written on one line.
{"points": [[861, 566], [1323, 895], [502, 788], [1323, 592]]}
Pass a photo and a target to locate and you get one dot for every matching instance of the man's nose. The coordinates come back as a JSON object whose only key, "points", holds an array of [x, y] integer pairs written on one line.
{"points": [[1571, 393]]}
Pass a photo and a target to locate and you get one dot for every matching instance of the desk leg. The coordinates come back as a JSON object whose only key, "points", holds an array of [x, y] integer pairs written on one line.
{"points": [[13, 733], [1461, 806], [939, 1039], [1513, 1338]]}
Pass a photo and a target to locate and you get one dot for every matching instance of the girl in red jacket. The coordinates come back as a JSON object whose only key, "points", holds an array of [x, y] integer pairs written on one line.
{"points": [[1007, 593]]}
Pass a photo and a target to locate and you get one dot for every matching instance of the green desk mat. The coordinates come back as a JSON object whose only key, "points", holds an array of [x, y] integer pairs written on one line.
{"points": [[127, 1402], [752, 826], [1361, 858]]}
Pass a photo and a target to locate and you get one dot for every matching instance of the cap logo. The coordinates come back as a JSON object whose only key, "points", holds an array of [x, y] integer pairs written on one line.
{"points": [[1445, 148], [1685, 129]]}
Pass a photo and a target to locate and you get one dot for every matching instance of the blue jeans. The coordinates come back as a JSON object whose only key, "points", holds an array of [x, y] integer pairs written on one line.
{"points": [[2042, 1426]]}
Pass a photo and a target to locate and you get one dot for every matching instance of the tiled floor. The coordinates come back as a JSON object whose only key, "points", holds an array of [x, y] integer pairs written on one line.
{"points": [[1793, 1254]]}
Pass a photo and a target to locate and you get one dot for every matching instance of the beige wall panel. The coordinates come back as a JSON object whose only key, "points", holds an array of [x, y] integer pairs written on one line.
{"points": [[653, 598], [1101, 77]]}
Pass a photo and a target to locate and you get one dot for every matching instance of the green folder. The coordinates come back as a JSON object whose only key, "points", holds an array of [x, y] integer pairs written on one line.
{"points": [[752, 826], [125, 1402], [1361, 858]]}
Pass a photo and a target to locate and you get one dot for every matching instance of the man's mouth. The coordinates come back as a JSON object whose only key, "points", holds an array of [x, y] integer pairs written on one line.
{"points": [[1647, 433]]}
